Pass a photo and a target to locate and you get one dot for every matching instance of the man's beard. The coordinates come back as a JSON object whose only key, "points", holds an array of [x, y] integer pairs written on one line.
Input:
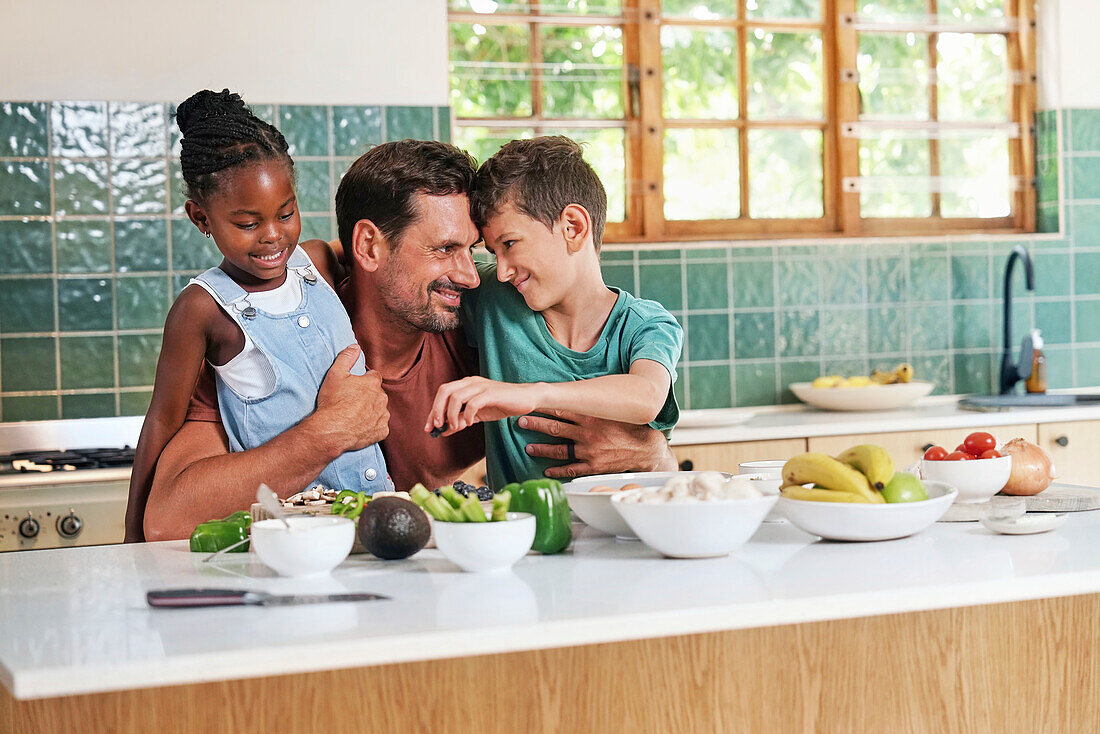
{"points": [[417, 309]]}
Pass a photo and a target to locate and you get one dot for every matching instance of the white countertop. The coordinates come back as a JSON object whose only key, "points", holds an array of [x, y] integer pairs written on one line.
{"points": [[767, 423], [75, 621]]}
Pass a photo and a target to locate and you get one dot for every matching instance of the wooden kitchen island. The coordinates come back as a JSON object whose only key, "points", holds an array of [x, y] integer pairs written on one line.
{"points": [[953, 629]]}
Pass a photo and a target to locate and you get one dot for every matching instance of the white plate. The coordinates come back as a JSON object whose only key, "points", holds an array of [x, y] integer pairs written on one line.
{"points": [[713, 418], [872, 397], [1025, 524]]}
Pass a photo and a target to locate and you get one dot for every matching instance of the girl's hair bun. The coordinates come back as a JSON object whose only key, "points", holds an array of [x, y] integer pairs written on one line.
{"points": [[206, 103]]}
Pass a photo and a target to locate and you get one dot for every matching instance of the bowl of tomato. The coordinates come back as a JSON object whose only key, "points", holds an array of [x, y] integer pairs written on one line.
{"points": [[975, 467]]}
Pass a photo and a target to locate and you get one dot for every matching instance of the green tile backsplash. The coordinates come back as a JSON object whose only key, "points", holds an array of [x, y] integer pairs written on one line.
{"points": [[94, 246], [94, 243]]}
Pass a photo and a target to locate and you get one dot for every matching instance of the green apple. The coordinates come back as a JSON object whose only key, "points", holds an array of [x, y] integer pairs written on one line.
{"points": [[904, 487]]}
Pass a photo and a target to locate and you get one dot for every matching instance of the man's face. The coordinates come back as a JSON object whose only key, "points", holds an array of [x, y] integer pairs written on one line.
{"points": [[426, 270]]}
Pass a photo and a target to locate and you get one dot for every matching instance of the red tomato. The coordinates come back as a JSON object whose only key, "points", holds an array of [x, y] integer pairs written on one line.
{"points": [[978, 443], [958, 456], [936, 453], [961, 448], [991, 454]]}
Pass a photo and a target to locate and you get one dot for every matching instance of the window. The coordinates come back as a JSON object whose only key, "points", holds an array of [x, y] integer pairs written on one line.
{"points": [[742, 118]]}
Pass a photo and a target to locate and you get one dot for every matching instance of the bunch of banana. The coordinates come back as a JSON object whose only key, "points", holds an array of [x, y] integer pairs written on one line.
{"points": [[856, 475], [902, 373]]}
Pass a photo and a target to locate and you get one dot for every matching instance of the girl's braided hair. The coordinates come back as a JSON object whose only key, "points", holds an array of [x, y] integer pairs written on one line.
{"points": [[220, 132]]}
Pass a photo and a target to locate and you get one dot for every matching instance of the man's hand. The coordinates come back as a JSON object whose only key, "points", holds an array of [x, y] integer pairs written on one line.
{"points": [[464, 402], [600, 446], [351, 409]]}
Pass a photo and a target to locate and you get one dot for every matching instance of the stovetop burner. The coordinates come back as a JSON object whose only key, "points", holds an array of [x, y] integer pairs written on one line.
{"points": [[72, 460]]}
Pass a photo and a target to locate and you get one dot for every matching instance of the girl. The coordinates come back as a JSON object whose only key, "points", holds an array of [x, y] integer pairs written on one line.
{"points": [[266, 318]]}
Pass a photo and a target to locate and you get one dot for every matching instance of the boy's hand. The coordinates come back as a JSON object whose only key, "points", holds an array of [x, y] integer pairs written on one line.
{"points": [[462, 403]]}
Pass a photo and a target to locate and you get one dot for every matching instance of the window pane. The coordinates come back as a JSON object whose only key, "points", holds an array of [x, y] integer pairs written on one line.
{"points": [[482, 142], [586, 80], [973, 79], [701, 174], [553, 7], [893, 76], [489, 75], [701, 9], [785, 75], [783, 8], [700, 73], [786, 178], [981, 167], [900, 157], [882, 9], [972, 9]]}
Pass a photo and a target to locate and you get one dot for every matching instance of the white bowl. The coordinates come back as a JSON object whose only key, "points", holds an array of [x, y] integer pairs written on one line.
{"points": [[486, 546], [977, 479], [872, 397], [596, 510], [312, 545], [696, 529], [858, 521]]}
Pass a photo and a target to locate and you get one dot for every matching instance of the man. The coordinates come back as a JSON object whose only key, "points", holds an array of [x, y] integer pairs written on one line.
{"points": [[403, 216]]}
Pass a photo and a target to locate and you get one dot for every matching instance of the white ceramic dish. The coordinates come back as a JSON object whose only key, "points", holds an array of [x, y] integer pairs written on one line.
{"points": [[857, 521], [596, 511], [1035, 522], [312, 546], [977, 479], [768, 478], [714, 418], [486, 546], [872, 397], [697, 529]]}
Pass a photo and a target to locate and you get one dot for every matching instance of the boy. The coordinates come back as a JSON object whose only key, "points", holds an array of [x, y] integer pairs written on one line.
{"points": [[550, 334]]}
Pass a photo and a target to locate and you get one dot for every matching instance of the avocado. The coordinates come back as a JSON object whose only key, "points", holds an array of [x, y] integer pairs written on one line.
{"points": [[393, 528]]}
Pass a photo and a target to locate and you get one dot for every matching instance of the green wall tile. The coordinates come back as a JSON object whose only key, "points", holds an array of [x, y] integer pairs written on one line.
{"points": [[1084, 178], [929, 327], [710, 387], [134, 403], [707, 286], [138, 130], [26, 305], [799, 282], [80, 187], [23, 129], [1086, 273], [929, 277], [661, 283], [141, 245], [886, 279], [313, 187], [79, 129], [845, 366], [844, 332], [753, 284], [142, 302], [1052, 274], [84, 246], [754, 335], [1053, 319], [27, 247], [177, 188], [799, 371], [30, 408], [1086, 224], [137, 359], [190, 250], [974, 373], [28, 363], [317, 228], [305, 128], [969, 277], [1084, 128], [1059, 367], [86, 304], [355, 129], [1046, 183], [608, 255], [87, 361], [708, 337], [1087, 362], [93, 405], [708, 253], [972, 326], [658, 255], [620, 276], [1087, 315], [409, 122], [443, 123], [24, 188], [799, 333], [934, 368], [139, 187], [842, 280], [1047, 218], [755, 384], [886, 330]]}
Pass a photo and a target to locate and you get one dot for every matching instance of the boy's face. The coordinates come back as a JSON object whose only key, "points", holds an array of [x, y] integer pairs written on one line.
{"points": [[531, 257]]}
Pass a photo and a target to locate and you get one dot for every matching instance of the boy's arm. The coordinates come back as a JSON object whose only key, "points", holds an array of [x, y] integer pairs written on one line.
{"points": [[182, 351]]}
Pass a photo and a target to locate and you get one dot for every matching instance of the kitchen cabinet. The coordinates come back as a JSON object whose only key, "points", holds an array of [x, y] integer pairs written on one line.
{"points": [[908, 446], [1075, 449], [726, 456]]}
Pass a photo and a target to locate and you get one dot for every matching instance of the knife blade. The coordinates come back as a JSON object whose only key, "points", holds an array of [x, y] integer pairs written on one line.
{"points": [[188, 598]]}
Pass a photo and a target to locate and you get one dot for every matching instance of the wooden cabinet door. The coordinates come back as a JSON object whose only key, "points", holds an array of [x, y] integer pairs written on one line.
{"points": [[726, 456], [1075, 449], [908, 446]]}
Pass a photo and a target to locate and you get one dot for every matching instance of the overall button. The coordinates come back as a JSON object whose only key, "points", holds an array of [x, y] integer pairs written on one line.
{"points": [[303, 321], [370, 474]]}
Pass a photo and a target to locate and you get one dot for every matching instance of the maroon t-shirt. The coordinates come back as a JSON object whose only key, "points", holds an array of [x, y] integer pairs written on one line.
{"points": [[411, 454]]}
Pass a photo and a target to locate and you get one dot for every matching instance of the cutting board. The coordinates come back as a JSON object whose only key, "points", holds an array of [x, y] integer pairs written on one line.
{"points": [[1057, 497]]}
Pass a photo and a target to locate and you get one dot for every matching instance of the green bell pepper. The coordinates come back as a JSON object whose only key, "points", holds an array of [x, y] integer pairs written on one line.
{"points": [[545, 499], [353, 506], [214, 535]]}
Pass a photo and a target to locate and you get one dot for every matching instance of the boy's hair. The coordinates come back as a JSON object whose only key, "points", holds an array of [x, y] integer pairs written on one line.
{"points": [[540, 177], [382, 184], [220, 132]]}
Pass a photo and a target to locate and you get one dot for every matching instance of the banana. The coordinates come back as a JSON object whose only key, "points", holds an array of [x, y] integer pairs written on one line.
{"points": [[825, 471], [826, 381], [798, 492], [856, 381], [873, 461], [904, 371], [884, 378]]}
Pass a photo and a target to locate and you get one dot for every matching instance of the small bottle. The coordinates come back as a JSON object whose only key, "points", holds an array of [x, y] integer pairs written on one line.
{"points": [[1037, 380]]}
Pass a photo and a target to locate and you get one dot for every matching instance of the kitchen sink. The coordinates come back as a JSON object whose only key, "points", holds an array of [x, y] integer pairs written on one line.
{"points": [[1007, 402]]}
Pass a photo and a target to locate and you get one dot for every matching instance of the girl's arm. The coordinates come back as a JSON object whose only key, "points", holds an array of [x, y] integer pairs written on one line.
{"points": [[324, 259], [636, 397], [182, 351]]}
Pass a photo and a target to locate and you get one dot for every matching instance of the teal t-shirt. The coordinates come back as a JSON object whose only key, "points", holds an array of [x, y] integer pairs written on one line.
{"points": [[514, 345]]}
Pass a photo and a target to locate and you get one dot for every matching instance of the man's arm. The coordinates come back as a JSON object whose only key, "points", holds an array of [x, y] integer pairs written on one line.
{"points": [[198, 479], [600, 446]]}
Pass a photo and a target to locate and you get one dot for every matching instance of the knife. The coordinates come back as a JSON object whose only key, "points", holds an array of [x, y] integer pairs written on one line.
{"points": [[186, 598]]}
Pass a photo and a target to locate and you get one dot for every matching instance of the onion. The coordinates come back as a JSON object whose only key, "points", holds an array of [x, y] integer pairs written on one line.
{"points": [[1032, 468]]}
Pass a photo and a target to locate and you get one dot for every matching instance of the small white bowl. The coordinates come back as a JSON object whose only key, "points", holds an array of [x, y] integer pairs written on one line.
{"points": [[486, 546], [977, 479], [312, 546], [858, 521], [697, 529]]}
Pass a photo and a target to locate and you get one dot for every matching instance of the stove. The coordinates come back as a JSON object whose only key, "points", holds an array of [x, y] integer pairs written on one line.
{"points": [[65, 483]]}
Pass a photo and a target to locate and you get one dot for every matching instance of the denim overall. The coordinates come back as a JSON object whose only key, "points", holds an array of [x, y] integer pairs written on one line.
{"points": [[299, 347]]}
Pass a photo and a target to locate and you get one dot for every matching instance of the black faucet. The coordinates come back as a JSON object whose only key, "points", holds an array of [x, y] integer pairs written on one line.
{"points": [[1011, 373]]}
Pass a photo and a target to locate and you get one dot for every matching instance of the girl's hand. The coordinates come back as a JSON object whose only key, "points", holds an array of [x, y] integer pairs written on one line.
{"points": [[462, 403]]}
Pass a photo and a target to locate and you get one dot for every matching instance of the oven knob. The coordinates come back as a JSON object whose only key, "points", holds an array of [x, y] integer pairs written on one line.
{"points": [[28, 528], [69, 526]]}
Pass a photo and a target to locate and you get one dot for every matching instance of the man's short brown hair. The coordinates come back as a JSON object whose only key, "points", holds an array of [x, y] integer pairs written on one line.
{"points": [[382, 184], [540, 177]]}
